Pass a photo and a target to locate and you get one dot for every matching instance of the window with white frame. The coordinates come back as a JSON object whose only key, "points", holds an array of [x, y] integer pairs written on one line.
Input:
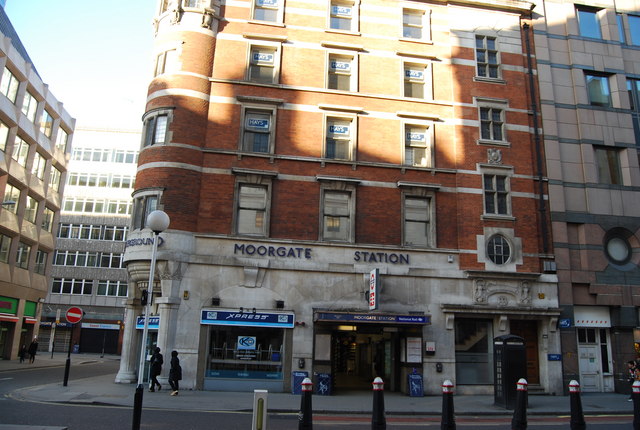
{"points": [[143, 206], [113, 232], [262, 64], [5, 246], [76, 258], [112, 288], [11, 198], [417, 221], [166, 62], [9, 85], [126, 157], [487, 60], [417, 146], [341, 73], [337, 215], [47, 219], [414, 24], [72, 286], [339, 139], [22, 255], [496, 194], [258, 130], [39, 164], [155, 129], [598, 89], [492, 123], [4, 136], [111, 260], [343, 15], [31, 209], [588, 21], [252, 214], [54, 178], [29, 106], [498, 249], [46, 123], [268, 10], [20, 151], [61, 140], [417, 82], [41, 262]]}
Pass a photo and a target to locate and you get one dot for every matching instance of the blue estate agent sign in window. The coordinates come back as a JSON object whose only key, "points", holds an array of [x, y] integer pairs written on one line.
{"points": [[258, 319]]}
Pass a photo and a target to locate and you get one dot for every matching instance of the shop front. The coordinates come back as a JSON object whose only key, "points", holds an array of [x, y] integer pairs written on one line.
{"points": [[247, 349], [352, 348]]}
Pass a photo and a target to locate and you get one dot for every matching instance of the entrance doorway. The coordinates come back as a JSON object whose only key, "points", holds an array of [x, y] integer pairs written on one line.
{"points": [[593, 359], [358, 358], [528, 330]]}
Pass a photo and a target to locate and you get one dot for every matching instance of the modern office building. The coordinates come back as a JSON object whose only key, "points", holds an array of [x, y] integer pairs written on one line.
{"points": [[588, 56], [35, 136], [87, 267], [355, 188]]}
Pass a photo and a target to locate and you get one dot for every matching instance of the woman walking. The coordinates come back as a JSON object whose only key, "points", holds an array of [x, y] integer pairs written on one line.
{"points": [[175, 374], [156, 369]]}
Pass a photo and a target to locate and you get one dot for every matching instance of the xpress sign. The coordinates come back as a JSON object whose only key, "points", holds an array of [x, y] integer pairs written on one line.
{"points": [[258, 319]]}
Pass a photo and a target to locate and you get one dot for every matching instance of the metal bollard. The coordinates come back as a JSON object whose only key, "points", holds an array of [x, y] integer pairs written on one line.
{"points": [[305, 416], [577, 417], [635, 395], [448, 421], [519, 421], [378, 420], [259, 421]]}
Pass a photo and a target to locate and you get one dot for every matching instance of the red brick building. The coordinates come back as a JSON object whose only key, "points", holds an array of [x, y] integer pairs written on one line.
{"points": [[302, 149]]}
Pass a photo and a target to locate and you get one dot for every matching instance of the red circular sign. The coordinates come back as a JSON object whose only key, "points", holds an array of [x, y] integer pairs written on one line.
{"points": [[74, 315]]}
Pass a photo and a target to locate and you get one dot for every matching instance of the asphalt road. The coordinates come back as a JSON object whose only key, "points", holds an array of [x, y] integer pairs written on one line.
{"points": [[95, 417]]}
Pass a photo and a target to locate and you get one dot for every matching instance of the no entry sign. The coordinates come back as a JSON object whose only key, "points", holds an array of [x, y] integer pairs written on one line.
{"points": [[74, 315]]}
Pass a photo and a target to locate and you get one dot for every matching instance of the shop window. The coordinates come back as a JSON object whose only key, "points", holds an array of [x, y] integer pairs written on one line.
{"points": [[474, 351], [588, 22], [245, 352]]}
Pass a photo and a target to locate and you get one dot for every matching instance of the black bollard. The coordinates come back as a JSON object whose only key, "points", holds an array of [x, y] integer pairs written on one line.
{"points": [[378, 420], [577, 417], [448, 421], [305, 417], [635, 395], [519, 420]]}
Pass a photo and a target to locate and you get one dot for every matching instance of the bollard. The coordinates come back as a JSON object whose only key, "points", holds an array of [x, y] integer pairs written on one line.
{"points": [[378, 420], [305, 416], [635, 395], [577, 417], [259, 421], [448, 421], [519, 421]]}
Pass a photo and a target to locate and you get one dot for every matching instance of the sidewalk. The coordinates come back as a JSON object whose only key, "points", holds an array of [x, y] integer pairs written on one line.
{"points": [[102, 390]]}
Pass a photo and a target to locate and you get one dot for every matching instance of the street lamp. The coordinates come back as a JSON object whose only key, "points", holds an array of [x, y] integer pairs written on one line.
{"points": [[157, 221]]}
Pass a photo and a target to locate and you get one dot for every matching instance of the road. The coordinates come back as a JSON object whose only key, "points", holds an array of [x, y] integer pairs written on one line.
{"points": [[103, 417]]}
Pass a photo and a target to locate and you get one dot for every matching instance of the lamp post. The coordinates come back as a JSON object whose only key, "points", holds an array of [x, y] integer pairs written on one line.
{"points": [[157, 221]]}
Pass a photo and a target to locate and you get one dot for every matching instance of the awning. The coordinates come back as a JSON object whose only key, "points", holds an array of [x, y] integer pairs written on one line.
{"points": [[9, 318], [29, 320]]}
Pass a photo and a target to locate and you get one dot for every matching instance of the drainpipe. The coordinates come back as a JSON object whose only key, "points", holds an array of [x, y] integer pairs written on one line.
{"points": [[536, 137]]}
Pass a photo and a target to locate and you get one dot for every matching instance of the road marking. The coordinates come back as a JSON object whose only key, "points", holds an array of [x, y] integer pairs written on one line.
{"points": [[5, 379]]}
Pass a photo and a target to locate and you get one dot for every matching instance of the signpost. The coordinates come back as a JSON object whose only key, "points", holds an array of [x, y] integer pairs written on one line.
{"points": [[73, 316]]}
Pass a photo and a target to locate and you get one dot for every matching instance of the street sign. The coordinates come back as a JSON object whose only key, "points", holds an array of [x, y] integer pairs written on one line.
{"points": [[74, 315], [374, 282]]}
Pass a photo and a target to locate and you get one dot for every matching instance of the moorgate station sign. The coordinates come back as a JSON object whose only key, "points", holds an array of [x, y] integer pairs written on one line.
{"points": [[302, 253]]}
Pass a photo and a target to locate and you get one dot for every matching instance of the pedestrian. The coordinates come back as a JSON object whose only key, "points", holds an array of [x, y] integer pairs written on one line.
{"points": [[632, 369], [33, 349], [23, 353], [175, 374], [156, 369]]}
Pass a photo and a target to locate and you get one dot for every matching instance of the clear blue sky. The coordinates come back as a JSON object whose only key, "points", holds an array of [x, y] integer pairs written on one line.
{"points": [[96, 57]]}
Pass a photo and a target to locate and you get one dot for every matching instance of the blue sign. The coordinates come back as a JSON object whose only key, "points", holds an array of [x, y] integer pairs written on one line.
{"points": [[339, 129], [415, 385], [373, 318], [243, 374], [154, 323], [416, 137], [342, 66], [565, 323], [259, 319], [262, 57], [272, 3], [246, 342], [259, 123], [417, 75], [554, 357], [341, 10]]}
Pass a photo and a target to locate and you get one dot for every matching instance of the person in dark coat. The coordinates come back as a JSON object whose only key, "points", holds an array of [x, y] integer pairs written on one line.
{"points": [[33, 349], [23, 353], [175, 373], [156, 369]]}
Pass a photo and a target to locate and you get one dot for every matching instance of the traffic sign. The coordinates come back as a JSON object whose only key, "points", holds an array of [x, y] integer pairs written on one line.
{"points": [[74, 315]]}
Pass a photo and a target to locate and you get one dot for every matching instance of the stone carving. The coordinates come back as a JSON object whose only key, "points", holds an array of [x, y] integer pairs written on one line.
{"points": [[494, 156], [207, 19], [524, 296], [487, 292], [480, 293]]}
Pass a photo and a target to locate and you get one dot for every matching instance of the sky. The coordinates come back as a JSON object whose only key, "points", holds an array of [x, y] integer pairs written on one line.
{"points": [[96, 57]]}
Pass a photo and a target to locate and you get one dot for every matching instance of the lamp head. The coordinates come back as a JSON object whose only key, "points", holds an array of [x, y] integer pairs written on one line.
{"points": [[158, 221]]}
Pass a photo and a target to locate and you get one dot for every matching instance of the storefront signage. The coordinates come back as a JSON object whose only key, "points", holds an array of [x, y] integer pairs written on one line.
{"points": [[307, 253], [554, 357], [101, 326], [154, 323], [565, 323], [51, 324], [372, 318], [374, 280], [260, 319]]}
